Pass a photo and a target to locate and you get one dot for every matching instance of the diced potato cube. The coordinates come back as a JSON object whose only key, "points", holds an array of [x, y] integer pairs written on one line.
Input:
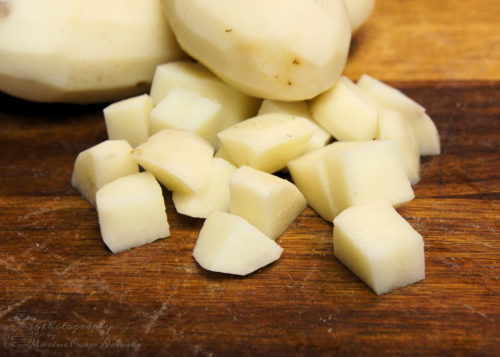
{"points": [[426, 134], [180, 160], [379, 246], [423, 127], [385, 95], [129, 119], [186, 110], [320, 137], [363, 173], [131, 212], [267, 142], [346, 112], [194, 77], [229, 244], [100, 165], [215, 197], [268, 202], [394, 126], [310, 174]]}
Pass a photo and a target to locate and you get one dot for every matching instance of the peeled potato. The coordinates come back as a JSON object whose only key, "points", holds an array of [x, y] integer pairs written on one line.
{"points": [[277, 49], [82, 51], [359, 11]]}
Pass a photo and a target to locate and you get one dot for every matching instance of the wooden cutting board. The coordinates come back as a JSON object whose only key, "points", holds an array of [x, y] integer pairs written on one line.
{"points": [[63, 292]]}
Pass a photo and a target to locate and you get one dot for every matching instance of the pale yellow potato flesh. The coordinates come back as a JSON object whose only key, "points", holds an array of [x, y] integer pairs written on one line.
{"points": [[100, 165], [346, 112], [386, 95], [394, 126], [379, 246], [268, 202], [131, 212], [426, 134], [236, 106], [187, 110], [229, 244], [320, 136], [423, 127], [359, 12], [129, 119], [180, 160], [362, 173], [216, 197], [82, 51], [311, 175], [267, 49], [267, 142]]}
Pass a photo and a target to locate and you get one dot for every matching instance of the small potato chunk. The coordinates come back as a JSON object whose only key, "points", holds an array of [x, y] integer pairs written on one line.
{"points": [[320, 136], [423, 127], [426, 134], [180, 160], [100, 165], [268, 202], [346, 112], [385, 95], [379, 246], [394, 126], [128, 119], [194, 77], [362, 173], [215, 197], [131, 212], [186, 110], [267, 142], [310, 174], [229, 244]]}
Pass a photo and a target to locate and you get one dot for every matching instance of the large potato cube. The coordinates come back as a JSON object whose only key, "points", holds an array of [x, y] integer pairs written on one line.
{"points": [[310, 174], [268, 202], [346, 112], [128, 119], [100, 165], [229, 244], [131, 212], [186, 110], [362, 173], [180, 160], [267, 142], [394, 126], [379, 246], [194, 77], [216, 197]]}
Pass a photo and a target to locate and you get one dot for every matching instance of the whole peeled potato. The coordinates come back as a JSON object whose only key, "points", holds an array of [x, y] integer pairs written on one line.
{"points": [[278, 49], [82, 51]]}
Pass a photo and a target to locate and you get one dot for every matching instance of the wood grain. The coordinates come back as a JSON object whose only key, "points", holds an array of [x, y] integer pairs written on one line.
{"points": [[429, 40], [63, 292]]}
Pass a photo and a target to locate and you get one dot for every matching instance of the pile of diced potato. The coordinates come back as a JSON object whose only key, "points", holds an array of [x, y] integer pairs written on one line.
{"points": [[352, 153]]}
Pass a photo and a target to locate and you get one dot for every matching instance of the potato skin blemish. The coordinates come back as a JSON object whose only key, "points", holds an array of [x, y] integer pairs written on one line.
{"points": [[4, 8]]}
